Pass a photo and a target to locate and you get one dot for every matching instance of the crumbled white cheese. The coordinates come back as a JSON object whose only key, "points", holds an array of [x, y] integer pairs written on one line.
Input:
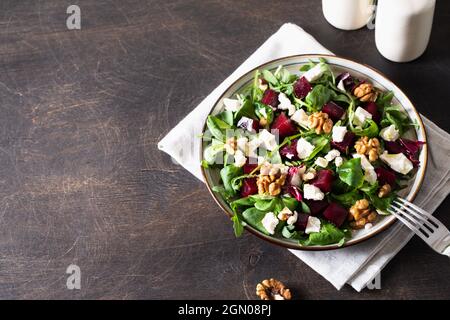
{"points": [[369, 171], [398, 162], [361, 115], [340, 86], [268, 140], [242, 144], [313, 225], [293, 218], [332, 154], [304, 148], [233, 105], [252, 147], [270, 222], [339, 133], [390, 133], [261, 160], [321, 162], [314, 73], [261, 85], [239, 158], [285, 104], [301, 118], [338, 161], [311, 192], [309, 175]]}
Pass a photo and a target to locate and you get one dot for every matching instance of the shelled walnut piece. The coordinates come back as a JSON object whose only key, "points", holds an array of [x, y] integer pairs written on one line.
{"points": [[365, 92], [270, 180], [272, 289], [320, 122], [384, 191], [361, 214], [369, 147]]}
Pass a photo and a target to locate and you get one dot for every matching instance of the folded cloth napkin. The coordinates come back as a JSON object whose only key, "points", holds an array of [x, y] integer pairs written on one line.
{"points": [[356, 265]]}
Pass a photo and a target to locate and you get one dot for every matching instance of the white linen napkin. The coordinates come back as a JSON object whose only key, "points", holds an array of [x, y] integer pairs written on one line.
{"points": [[356, 265]]}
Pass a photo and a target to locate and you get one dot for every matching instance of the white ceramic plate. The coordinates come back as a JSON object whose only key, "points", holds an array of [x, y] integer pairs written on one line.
{"points": [[360, 71]]}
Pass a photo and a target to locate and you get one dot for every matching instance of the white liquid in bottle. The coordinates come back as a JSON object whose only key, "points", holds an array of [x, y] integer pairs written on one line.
{"points": [[403, 27], [347, 14]]}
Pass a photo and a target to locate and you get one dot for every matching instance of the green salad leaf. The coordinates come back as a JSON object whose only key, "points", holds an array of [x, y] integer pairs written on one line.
{"points": [[328, 234], [351, 172], [227, 174], [254, 218], [217, 127], [317, 97]]}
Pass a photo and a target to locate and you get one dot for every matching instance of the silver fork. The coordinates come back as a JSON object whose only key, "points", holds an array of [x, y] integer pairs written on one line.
{"points": [[430, 229]]}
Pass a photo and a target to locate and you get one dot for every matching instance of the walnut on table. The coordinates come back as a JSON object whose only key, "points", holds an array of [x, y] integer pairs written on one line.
{"points": [[272, 289]]}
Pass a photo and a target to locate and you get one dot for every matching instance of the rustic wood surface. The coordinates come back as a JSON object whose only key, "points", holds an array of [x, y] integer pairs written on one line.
{"points": [[82, 181]]}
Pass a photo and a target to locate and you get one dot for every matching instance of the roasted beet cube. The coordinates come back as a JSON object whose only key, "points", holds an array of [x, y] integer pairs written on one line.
{"points": [[284, 126], [316, 206], [393, 147], [334, 111], [323, 180], [249, 187], [249, 166], [270, 98], [302, 221], [289, 151], [302, 87], [344, 146], [372, 108], [336, 214], [385, 176]]}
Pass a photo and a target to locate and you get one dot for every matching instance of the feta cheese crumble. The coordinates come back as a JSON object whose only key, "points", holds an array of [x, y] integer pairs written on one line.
{"points": [[339, 133], [398, 162], [268, 140], [332, 154], [390, 133], [361, 115], [304, 148], [285, 104], [239, 158], [313, 225], [270, 222], [233, 105], [314, 73], [311, 192], [369, 171], [321, 162], [338, 161], [301, 118]]}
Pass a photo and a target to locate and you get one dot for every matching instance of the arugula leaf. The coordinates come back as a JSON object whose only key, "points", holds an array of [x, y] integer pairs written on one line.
{"points": [[227, 174], [370, 130], [270, 77], [254, 218], [305, 208], [320, 143], [264, 111], [238, 225], [317, 97], [242, 202], [347, 199], [267, 205], [210, 153], [217, 127], [226, 116], [247, 110], [379, 203], [328, 234], [257, 93], [351, 172], [290, 203], [289, 232]]}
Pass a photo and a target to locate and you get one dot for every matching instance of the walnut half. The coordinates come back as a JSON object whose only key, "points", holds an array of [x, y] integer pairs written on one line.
{"points": [[361, 214], [272, 289]]}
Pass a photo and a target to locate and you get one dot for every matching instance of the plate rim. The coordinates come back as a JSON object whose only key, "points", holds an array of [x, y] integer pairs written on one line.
{"points": [[350, 243]]}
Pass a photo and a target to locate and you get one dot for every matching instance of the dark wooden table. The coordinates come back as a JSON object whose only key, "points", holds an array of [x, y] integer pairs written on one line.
{"points": [[82, 181]]}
